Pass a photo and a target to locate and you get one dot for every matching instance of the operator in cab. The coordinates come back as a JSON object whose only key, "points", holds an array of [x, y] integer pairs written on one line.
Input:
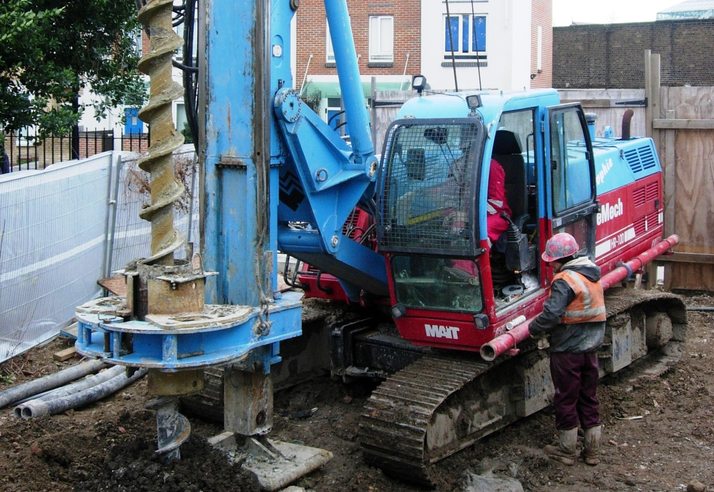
{"points": [[496, 224], [496, 203], [574, 319]]}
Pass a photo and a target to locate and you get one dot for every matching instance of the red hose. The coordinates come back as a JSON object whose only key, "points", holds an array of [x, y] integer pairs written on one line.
{"points": [[503, 343], [623, 271]]}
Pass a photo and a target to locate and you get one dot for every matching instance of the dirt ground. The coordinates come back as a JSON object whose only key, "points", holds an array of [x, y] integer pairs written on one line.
{"points": [[658, 435]]}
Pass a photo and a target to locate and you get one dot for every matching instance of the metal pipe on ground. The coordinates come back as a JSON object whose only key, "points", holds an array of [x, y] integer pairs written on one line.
{"points": [[511, 338], [39, 408], [49, 382], [76, 387]]}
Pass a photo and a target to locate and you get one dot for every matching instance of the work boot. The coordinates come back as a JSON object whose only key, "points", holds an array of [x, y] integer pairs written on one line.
{"points": [[591, 443], [566, 449]]}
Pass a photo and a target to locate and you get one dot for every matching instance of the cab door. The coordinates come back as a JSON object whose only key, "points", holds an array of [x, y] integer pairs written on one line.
{"points": [[571, 204]]}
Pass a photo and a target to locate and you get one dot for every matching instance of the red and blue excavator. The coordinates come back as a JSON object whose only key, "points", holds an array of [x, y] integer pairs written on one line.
{"points": [[404, 235]]}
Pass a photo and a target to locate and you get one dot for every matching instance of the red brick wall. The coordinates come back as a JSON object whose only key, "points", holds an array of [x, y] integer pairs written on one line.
{"points": [[311, 26], [542, 15]]}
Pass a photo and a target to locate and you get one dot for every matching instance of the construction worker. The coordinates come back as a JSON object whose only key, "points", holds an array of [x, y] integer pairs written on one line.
{"points": [[574, 319], [496, 203]]}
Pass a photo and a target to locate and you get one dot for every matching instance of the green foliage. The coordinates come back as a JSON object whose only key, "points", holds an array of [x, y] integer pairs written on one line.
{"points": [[311, 97], [6, 378], [51, 49], [186, 132]]}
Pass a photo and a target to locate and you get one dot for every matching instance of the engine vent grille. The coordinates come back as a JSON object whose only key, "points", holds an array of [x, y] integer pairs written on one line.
{"points": [[640, 159], [652, 192], [639, 197]]}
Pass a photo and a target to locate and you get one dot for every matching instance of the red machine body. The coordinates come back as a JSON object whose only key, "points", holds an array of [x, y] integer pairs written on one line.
{"points": [[606, 192]]}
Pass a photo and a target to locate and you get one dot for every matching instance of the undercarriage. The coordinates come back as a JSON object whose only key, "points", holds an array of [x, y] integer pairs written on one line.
{"points": [[431, 404]]}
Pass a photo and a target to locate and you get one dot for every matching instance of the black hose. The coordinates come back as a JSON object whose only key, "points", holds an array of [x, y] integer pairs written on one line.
{"points": [[701, 308], [40, 408], [49, 382]]}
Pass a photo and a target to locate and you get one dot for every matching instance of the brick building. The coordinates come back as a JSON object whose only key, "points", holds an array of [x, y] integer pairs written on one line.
{"points": [[387, 40], [612, 55], [541, 44], [386, 34], [503, 44]]}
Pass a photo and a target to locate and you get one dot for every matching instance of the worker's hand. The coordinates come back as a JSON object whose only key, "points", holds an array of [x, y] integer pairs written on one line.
{"points": [[541, 340]]}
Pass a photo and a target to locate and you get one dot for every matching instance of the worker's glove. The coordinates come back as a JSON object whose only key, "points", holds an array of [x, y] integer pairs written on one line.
{"points": [[543, 343], [541, 340]]}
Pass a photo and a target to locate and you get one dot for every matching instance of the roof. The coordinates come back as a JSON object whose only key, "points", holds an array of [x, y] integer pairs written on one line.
{"points": [[494, 102], [688, 9]]}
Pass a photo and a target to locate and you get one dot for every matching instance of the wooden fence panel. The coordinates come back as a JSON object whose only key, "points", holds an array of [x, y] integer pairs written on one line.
{"points": [[384, 113], [683, 130], [688, 157], [610, 105]]}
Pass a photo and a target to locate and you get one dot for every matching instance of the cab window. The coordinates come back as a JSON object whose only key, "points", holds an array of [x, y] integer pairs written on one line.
{"points": [[569, 162]]}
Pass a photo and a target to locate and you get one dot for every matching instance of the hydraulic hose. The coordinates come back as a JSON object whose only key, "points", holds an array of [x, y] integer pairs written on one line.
{"points": [[39, 408], [50, 381], [626, 269], [507, 341], [75, 387]]}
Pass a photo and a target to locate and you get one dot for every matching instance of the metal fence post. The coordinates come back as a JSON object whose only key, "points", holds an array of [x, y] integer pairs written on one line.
{"points": [[112, 214]]}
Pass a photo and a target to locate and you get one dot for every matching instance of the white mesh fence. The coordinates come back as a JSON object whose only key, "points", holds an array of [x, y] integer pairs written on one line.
{"points": [[132, 235], [56, 240]]}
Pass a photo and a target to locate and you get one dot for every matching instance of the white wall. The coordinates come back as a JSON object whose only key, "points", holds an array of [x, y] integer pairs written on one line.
{"points": [[508, 43], [57, 239], [88, 122]]}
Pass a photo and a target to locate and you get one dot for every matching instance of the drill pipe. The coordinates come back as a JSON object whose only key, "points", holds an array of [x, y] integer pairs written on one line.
{"points": [[625, 270], [503, 343], [165, 189]]}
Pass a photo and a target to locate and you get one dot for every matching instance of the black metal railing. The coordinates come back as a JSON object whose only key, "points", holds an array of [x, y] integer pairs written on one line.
{"points": [[23, 151]]}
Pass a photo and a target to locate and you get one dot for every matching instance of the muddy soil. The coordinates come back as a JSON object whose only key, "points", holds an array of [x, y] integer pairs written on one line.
{"points": [[658, 435]]}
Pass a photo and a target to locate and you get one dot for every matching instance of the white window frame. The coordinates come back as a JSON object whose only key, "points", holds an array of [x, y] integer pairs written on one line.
{"points": [[459, 53], [329, 50], [377, 52]]}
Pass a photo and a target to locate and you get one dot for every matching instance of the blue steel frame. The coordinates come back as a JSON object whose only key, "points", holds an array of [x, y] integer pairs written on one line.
{"points": [[329, 175], [173, 349], [254, 126]]}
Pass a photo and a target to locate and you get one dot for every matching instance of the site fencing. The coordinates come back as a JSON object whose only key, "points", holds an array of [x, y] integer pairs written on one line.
{"points": [[65, 227]]}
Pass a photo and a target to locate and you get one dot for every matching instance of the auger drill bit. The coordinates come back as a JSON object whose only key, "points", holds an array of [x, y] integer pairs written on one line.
{"points": [[156, 16], [165, 189]]}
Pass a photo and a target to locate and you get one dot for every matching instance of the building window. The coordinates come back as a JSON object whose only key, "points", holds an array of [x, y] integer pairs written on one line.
{"points": [[468, 34], [181, 121], [381, 39], [329, 50]]}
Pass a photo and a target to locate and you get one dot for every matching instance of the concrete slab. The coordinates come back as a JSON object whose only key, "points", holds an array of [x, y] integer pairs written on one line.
{"points": [[275, 464]]}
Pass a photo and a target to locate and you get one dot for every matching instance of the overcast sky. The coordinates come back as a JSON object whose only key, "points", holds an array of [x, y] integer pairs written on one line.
{"points": [[565, 12]]}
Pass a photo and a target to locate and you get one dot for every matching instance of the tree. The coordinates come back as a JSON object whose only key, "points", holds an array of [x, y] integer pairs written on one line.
{"points": [[51, 49]]}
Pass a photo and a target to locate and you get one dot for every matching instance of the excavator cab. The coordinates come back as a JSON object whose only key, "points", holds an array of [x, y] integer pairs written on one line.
{"points": [[432, 212], [428, 214]]}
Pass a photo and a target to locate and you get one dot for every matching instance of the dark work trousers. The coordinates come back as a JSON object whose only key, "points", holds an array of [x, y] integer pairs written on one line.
{"points": [[575, 378]]}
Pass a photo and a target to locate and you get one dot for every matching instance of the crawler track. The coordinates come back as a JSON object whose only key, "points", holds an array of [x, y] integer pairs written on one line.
{"points": [[441, 404], [397, 416]]}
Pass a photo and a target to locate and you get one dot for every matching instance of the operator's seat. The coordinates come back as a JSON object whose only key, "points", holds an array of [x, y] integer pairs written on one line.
{"points": [[507, 151]]}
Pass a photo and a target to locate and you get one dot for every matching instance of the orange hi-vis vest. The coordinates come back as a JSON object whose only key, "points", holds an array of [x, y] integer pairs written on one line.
{"points": [[589, 303]]}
